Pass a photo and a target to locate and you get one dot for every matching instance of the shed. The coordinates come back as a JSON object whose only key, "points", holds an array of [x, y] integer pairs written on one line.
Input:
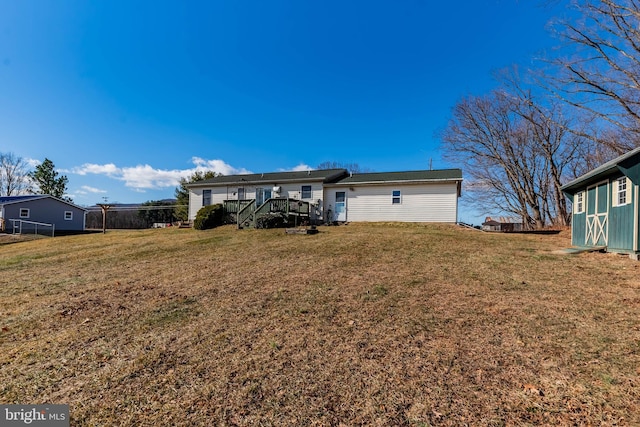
{"points": [[27, 210], [605, 206]]}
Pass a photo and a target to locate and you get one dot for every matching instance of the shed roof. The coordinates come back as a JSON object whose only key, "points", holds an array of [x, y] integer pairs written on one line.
{"points": [[406, 176], [324, 175], [602, 171]]}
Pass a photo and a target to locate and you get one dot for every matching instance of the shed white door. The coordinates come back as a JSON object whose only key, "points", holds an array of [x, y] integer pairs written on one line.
{"points": [[341, 206], [597, 215]]}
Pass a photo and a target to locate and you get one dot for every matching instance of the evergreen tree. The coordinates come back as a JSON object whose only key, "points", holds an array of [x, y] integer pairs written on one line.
{"points": [[182, 193], [46, 178]]}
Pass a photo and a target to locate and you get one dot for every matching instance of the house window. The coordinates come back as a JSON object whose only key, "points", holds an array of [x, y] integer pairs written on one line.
{"points": [[24, 213], [621, 187], [579, 203], [395, 197], [68, 215], [306, 192], [206, 197]]}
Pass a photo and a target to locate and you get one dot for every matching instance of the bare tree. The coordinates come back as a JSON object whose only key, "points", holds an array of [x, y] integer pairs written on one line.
{"points": [[516, 151], [559, 141], [14, 175], [601, 74]]}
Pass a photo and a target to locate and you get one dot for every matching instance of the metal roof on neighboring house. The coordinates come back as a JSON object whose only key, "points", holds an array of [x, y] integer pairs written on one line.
{"points": [[406, 176], [324, 175], [6, 200], [13, 199]]}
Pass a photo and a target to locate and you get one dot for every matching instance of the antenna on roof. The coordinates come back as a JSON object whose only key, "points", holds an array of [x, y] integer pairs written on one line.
{"points": [[430, 163]]}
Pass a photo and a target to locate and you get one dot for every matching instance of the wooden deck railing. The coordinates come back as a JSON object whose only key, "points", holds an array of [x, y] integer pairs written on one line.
{"points": [[249, 212], [285, 206], [231, 206]]}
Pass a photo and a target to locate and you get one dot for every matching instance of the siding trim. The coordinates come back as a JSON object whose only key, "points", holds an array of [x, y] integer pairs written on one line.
{"points": [[635, 217]]}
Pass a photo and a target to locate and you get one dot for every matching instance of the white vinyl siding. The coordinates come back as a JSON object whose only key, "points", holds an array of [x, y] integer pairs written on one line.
{"points": [[218, 195], [432, 202]]}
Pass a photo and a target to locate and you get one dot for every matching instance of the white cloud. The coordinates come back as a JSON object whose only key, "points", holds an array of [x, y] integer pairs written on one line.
{"points": [[299, 168], [216, 165], [32, 162], [146, 177], [109, 169], [85, 189]]}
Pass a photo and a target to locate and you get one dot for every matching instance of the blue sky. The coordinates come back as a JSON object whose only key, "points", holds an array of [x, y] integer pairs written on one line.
{"points": [[125, 97]]}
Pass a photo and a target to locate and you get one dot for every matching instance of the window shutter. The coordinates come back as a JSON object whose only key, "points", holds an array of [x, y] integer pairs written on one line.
{"points": [[629, 187], [614, 199]]}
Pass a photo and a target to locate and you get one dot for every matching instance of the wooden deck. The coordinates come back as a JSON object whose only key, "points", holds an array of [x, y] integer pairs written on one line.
{"points": [[277, 210]]}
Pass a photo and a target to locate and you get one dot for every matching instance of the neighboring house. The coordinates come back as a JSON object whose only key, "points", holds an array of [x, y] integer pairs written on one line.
{"points": [[40, 208], [605, 206], [334, 195], [503, 224]]}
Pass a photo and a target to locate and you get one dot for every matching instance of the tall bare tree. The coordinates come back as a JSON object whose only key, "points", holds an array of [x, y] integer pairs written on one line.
{"points": [[600, 74], [14, 175], [516, 151]]}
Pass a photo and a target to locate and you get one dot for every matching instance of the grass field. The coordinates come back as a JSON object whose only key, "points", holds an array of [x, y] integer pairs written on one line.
{"points": [[382, 325]]}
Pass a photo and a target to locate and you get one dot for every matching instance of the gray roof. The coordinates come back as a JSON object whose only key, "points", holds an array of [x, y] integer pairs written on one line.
{"points": [[406, 176], [600, 172], [13, 199], [324, 175], [6, 200]]}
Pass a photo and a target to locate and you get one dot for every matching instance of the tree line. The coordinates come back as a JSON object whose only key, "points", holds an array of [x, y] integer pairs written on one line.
{"points": [[545, 126]]}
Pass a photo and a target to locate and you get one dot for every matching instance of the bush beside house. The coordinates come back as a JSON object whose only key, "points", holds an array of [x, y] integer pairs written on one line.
{"points": [[209, 217]]}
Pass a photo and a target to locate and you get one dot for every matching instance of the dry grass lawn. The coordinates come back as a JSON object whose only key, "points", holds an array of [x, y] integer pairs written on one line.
{"points": [[381, 325]]}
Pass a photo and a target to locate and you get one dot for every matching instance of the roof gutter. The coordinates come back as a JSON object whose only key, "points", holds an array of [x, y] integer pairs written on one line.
{"points": [[397, 181]]}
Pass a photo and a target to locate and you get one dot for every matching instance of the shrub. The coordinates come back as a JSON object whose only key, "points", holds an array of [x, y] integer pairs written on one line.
{"points": [[209, 217]]}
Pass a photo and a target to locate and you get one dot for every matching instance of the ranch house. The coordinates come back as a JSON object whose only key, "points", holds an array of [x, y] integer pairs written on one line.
{"points": [[332, 196]]}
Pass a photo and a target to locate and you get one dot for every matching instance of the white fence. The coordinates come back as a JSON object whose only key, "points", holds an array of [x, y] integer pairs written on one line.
{"points": [[31, 227]]}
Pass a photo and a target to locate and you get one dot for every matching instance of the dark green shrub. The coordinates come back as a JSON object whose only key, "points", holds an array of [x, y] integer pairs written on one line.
{"points": [[209, 217]]}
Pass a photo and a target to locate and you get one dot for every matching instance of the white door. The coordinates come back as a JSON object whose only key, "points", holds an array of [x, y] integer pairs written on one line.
{"points": [[597, 215], [341, 206]]}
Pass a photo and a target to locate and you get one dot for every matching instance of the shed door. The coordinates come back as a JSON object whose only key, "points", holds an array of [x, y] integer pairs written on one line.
{"points": [[597, 215]]}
